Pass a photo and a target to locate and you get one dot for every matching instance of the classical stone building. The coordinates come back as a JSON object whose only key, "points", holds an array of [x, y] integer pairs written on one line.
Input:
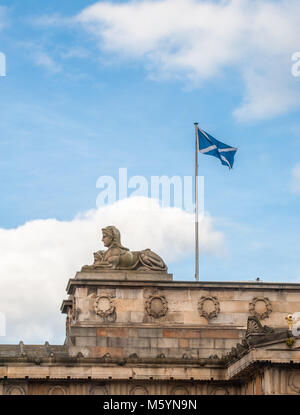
{"points": [[131, 329]]}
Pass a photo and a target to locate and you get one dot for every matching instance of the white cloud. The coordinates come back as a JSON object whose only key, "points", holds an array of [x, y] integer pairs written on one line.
{"points": [[198, 40], [45, 60], [37, 52], [295, 184], [38, 258]]}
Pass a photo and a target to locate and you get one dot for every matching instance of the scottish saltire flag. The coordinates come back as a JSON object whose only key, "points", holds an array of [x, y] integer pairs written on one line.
{"points": [[212, 147]]}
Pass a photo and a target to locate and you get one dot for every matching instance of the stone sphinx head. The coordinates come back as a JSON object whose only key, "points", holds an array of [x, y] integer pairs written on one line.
{"points": [[118, 257], [111, 238]]}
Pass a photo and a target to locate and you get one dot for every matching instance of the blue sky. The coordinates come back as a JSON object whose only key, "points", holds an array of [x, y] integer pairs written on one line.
{"points": [[85, 95]]}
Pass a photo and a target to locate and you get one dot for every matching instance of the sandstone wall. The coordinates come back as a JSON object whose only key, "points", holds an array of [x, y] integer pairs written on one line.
{"points": [[173, 319]]}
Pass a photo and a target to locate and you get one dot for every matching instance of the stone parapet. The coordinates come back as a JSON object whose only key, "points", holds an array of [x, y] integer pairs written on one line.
{"points": [[120, 317]]}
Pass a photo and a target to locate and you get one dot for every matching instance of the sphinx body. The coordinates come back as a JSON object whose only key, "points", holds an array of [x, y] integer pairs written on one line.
{"points": [[118, 257]]}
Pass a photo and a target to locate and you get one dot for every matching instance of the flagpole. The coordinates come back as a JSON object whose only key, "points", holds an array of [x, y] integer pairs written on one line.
{"points": [[196, 205]]}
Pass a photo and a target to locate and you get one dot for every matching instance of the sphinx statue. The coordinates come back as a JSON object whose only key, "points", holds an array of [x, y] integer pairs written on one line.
{"points": [[117, 257]]}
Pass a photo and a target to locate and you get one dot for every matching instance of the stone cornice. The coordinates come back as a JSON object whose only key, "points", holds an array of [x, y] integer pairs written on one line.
{"points": [[207, 285], [65, 305], [256, 357], [72, 368]]}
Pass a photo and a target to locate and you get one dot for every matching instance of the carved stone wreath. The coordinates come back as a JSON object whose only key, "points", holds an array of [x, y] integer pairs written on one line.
{"points": [[179, 390], [203, 302], [15, 390], [99, 390], [156, 305], [262, 313], [294, 382], [219, 390], [57, 390], [138, 390], [104, 305]]}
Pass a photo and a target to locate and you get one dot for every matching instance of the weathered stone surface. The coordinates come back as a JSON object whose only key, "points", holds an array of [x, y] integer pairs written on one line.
{"points": [[114, 352], [102, 341], [112, 331], [117, 342], [83, 331], [123, 276], [224, 344], [85, 341], [139, 342], [220, 334], [137, 316], [150, 332], [201, 343], [182, 333], [163, 343], [183, 343]]}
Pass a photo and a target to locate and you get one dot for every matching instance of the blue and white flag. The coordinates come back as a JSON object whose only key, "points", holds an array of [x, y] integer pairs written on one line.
{"points": [[212, 147]]}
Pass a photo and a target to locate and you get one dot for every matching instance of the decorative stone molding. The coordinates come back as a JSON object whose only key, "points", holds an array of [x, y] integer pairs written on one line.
{"points": [[111, 292], [256, 335], [139, 390], [15, 390], [260, 307], [179, 390], [68, 324], [99, 390], [104, 305], [219, 390], [294, 382], [255, 327], [57, 390], [208, 307], [75, 311], [156, 305], [92, 291]]}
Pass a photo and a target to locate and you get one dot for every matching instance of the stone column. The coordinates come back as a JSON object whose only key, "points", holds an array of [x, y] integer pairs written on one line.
{"points": [[276, 381], [283, 382], [258, 384], [268, 380]]}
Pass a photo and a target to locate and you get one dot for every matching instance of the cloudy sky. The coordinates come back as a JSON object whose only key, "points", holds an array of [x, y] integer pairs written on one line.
{"points": [[93, 87]]}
